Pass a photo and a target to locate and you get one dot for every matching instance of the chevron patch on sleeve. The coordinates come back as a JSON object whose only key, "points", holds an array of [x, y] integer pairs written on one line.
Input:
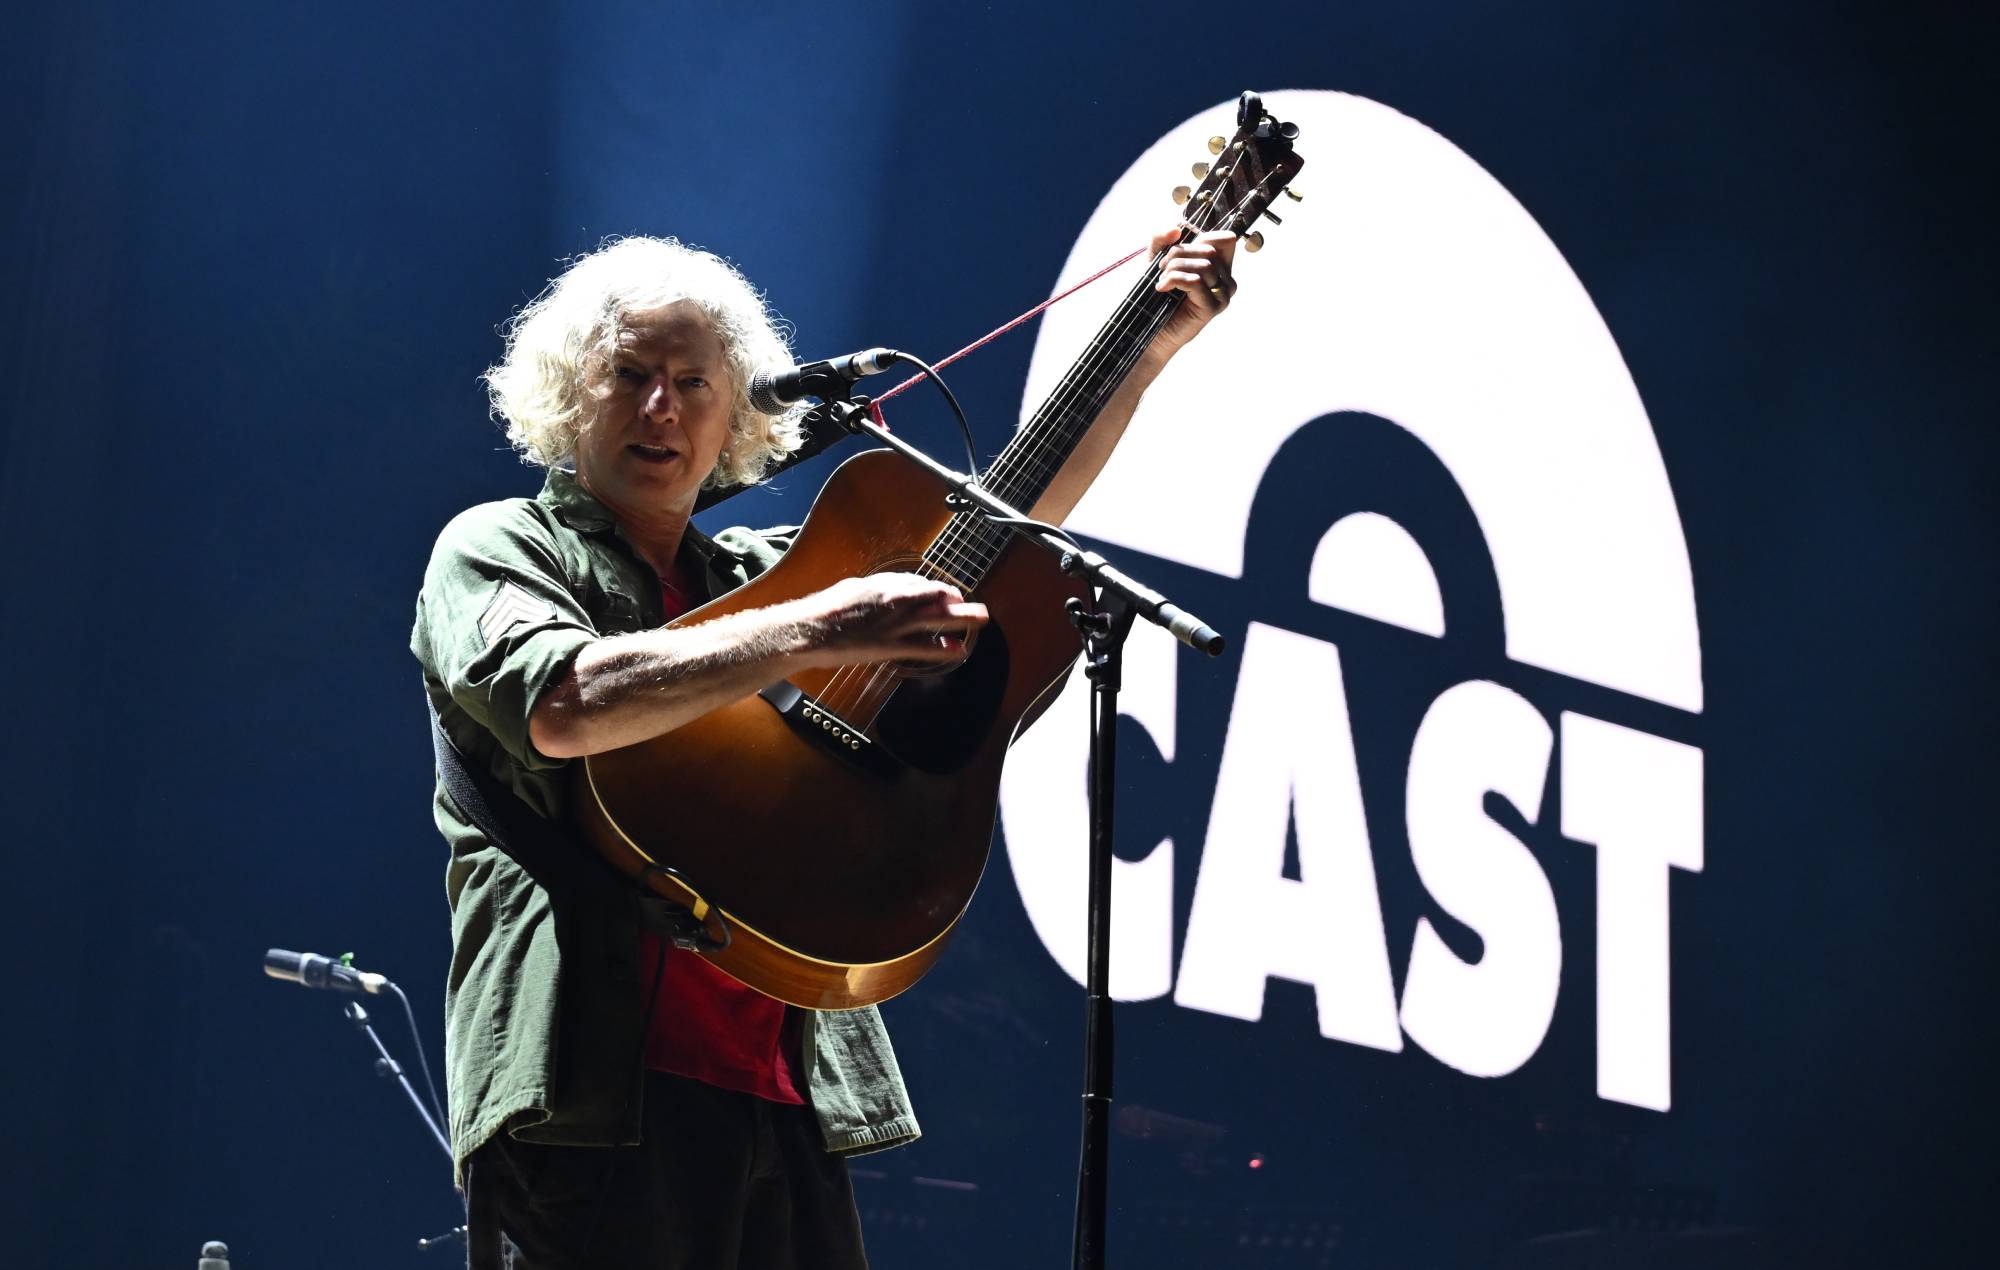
{"points": [[511, 606]]}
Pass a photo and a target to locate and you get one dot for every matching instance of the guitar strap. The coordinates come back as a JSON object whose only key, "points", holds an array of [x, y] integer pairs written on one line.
{"points": [[545, 848]]}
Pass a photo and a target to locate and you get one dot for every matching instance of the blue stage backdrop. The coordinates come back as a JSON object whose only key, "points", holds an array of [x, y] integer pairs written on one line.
{"points": [[1575, 860]]}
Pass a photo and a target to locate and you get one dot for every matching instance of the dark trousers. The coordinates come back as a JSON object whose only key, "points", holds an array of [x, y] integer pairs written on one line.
{"points": [[722, 1180]]}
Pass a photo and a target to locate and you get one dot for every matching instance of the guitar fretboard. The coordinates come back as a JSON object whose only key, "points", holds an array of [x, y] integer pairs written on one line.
{"points": [[969, 545]]}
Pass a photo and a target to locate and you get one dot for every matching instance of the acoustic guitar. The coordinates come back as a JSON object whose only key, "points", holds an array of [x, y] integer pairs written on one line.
{"points": [[830, 831]]}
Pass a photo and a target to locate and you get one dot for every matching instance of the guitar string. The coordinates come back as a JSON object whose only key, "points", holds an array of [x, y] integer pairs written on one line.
{"points": [[875, 694], [966, 547], [868, 700], [955, 552], [966, 550], [1041, 465], [1030, 459], [1028, 441], [1036, 452], [1020, 458], [952, 554]]}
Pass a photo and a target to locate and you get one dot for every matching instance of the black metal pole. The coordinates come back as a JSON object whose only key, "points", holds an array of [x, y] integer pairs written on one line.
{"points": [[1118, 599], [1104, 631]]}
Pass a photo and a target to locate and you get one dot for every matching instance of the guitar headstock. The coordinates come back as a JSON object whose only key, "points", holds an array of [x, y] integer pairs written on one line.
{"points": [[1250, 170]]}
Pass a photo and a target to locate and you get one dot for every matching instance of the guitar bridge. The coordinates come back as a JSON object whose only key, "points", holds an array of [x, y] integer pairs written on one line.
{"points": [[823, 727]]}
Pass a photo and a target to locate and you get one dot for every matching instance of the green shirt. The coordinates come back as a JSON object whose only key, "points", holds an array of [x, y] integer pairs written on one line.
{"points": [[543, 1007]]}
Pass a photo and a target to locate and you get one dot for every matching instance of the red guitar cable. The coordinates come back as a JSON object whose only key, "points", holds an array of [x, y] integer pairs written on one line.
{"points": [[875, 407]]}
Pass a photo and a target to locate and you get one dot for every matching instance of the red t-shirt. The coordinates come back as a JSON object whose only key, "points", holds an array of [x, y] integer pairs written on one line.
{"points": [[705, 1024]]}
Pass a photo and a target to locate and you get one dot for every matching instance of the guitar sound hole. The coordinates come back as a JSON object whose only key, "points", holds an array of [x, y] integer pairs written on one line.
{"points": [[937, 720], [931, 669]]}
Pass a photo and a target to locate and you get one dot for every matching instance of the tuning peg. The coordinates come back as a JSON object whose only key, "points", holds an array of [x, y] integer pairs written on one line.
{"points": [[1273, 217], [1294, 195], [1215, 144], [1253, 241], [1181, 193], [1200, 170]]}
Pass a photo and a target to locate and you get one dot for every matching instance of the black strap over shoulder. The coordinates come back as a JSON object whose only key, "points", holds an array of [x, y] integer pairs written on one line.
{"points": [[494, 811], [544, 848]]}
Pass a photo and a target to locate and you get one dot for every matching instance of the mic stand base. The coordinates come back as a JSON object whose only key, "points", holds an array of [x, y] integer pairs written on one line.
{"points": [[460, 1235]]}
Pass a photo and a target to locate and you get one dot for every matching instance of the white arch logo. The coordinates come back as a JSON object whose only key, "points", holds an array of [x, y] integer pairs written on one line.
{"points": [[1418, 292]]}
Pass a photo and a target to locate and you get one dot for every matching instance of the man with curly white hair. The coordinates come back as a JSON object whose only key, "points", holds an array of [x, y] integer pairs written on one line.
{"points": [[616, 1101]]}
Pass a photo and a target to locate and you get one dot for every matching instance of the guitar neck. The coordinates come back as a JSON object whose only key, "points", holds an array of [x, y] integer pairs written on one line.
{"points": [[1029, 464], [1250, 170]]}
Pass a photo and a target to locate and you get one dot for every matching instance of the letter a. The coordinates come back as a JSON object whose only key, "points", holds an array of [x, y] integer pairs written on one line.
{"points": [[1289, 759]]}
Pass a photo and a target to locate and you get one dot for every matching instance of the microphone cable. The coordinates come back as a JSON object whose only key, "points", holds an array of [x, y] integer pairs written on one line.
{"points": [[423, 1063], [951, 399]]}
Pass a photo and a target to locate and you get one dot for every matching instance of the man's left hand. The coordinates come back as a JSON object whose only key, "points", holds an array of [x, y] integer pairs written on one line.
{"points": [[1201, 269]]}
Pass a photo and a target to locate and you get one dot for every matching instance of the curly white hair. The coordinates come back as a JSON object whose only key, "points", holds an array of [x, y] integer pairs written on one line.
{"points": [[557, 366]]}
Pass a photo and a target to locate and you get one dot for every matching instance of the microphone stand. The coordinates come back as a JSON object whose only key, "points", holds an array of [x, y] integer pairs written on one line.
{"points": [[1117, 599], [386, 1067]]}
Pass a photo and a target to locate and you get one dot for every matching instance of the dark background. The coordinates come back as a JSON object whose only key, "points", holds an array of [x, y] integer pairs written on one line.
{"points": [[257, 256]]}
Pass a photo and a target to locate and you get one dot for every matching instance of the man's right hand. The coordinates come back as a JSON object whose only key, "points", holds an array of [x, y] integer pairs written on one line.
{"points": [[889, 617]]}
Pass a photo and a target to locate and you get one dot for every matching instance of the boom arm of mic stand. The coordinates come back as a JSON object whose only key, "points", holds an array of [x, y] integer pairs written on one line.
{"points": [[1184, 626]]}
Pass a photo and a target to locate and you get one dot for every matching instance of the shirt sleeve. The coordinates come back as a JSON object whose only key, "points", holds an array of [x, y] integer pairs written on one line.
{"points": [[497, 623]]}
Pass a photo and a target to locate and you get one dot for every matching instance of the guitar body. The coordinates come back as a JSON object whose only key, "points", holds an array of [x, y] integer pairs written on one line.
{"points": [[838, 872]]}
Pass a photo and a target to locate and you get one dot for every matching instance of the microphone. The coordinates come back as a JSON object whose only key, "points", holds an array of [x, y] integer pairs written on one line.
{"points": [[314, 971], [772, 389]]}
